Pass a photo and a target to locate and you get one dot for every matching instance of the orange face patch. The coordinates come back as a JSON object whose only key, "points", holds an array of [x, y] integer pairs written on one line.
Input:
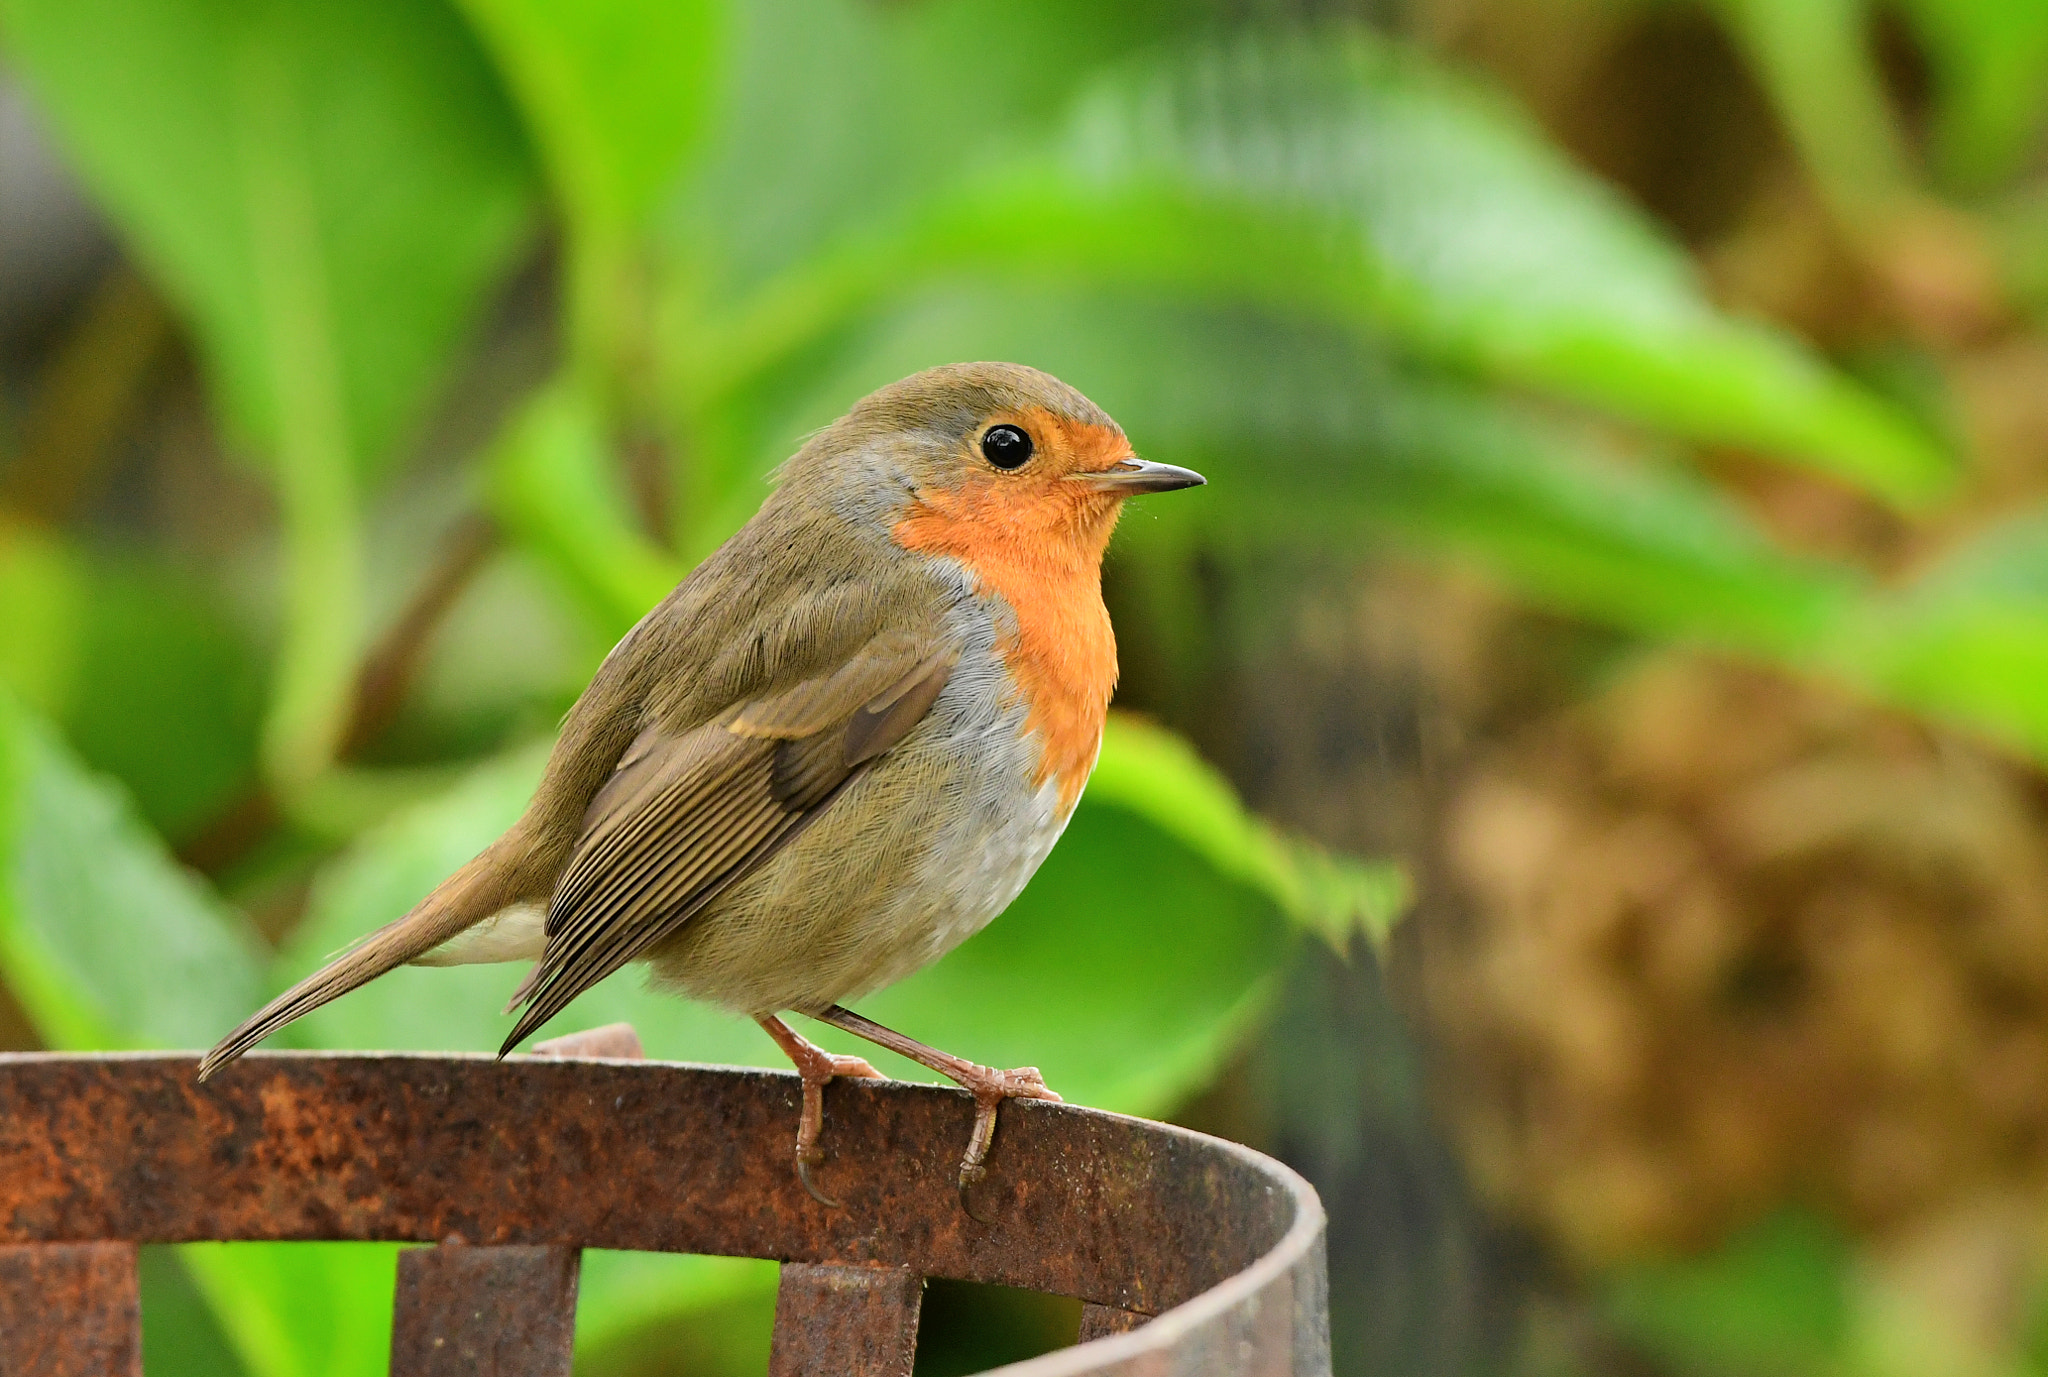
{"points": [[1036, 540]]}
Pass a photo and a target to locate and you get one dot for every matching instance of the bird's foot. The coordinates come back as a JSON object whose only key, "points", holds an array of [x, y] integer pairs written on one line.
{"points": [[990, 1087], [816, 1073], [816, 1067]]}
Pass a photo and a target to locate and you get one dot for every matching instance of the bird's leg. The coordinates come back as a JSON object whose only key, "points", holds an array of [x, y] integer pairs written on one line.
{"points": [[989, 1086], [816, 1066]]}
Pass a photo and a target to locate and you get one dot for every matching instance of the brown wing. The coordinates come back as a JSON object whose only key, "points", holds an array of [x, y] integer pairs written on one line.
{"points": [[686, 815]]}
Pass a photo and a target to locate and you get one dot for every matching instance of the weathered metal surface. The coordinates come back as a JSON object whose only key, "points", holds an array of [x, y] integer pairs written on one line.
{"points": [[484, 1312], [1101, 1321], [70, 1310], [841, 1321], [1273, 1320], [666, 1157]]}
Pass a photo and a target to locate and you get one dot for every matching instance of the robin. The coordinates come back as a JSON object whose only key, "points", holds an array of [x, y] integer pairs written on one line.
{"points": [[837, 750]]}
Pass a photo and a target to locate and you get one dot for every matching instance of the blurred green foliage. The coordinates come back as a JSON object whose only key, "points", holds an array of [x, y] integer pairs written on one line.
{"points": [[1774, 1300], [1360, 290]]}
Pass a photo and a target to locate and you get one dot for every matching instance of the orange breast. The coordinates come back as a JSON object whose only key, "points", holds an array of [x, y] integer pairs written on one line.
{"points": [[1047, 565]]}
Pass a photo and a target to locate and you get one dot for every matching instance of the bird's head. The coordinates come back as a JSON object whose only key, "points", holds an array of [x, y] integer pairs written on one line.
{"points": [[984, 460]]}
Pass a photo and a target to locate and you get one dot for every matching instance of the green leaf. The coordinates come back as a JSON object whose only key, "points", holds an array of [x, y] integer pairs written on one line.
{"points": [[2019, 232], [165, 691], [840, 113], [1966, 640], [43, 588], [1481, 245], [1343, 181], [614, 91], [1640, 546], [181, 1337], [1773, 1300], [324, 189], [1815, 59], [105, 941], [1990, 61], [301, 1309], [108, 944], [1158, 776], [1307, 436], [554, 487]]}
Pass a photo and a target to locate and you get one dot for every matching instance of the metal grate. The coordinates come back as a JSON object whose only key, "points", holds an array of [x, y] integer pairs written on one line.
{"points": [[1192, 1255]]}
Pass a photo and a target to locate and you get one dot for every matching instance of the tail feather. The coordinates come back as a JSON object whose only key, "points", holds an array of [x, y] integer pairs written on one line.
{"points": [[464, 899]]}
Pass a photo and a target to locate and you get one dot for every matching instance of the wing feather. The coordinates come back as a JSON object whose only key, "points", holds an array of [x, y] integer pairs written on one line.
{"points": [[686, 815]]}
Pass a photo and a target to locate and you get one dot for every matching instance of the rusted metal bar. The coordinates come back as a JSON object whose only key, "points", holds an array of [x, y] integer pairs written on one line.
{"points": [[1101, 1321], [1221, 1245], [484, 1312], [70, 1310], [297, 1146], [845, 1321]]}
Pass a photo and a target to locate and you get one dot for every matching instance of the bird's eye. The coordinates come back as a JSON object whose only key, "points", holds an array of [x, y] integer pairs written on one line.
{"points": [[1007, 447]]}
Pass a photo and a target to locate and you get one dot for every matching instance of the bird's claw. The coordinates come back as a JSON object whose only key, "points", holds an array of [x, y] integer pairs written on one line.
{"points": [[990, 1088], [969, 1178], [803, 1174], [816, 1071]]}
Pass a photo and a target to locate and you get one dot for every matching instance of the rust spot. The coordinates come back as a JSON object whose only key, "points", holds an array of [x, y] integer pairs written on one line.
{"points": [[506, 1312], [70, 1310]]}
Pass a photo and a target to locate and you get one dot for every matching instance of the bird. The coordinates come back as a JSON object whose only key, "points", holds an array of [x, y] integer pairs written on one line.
{"points": [[838, 749]]}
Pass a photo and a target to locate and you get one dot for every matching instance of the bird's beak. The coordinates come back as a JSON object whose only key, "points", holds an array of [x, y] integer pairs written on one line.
{"points": [[1135, 475]]}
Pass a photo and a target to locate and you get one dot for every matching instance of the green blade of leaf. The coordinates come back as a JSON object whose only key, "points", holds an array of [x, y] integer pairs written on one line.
{"points": [[1815, 59], [1642, 547], [110, 650], [103, 938], [1966, 640], [838, 114], [1482, 245], [1990, 60], [43, 586], [181, 1334], [169, 694], [320, 188], [325, 191], [2019, 229], [1775, 1298], [1158, 776], [1347, 181], [615, 92], [301, 1309], [555, 488], [1306, 435]]}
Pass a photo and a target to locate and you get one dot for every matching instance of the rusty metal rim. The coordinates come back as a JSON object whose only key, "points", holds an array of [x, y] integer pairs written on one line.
{"points": [[1167, 1333], [466, 1173]]}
